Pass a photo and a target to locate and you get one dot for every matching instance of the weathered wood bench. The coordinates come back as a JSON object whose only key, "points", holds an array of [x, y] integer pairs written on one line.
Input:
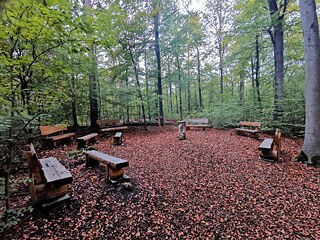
{"points": [[117, 139], [53, 134], [249, 128], [49, 179], [86, 140], [196, 123], [114, 165], [111, 125], [270, 148]]}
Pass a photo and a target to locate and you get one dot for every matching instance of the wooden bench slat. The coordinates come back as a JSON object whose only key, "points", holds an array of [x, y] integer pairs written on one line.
{"points": [[87, 137], [266, 144], [54, 172], [59, 137], [113, 129], [114, 162]]}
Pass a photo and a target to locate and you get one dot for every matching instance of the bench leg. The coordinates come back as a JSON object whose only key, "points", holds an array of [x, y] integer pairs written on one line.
{"points": [[114, 174], [91, 162]]}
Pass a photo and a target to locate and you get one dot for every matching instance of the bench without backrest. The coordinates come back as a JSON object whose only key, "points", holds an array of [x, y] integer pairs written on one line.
{"points": [[114, 165], [252, 128], [110, 125], [50, 177], [271, 148], [85, 140], [197, 122], [48, 131], [117, 139]]}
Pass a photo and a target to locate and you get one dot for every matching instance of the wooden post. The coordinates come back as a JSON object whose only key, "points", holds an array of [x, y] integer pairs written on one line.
{"points": [[182, 133]]}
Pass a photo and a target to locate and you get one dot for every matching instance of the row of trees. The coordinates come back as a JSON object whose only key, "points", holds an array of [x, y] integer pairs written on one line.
{"points": [[74, 62]]}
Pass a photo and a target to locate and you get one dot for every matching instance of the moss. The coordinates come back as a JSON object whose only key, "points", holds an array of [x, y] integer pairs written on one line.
{"points": [[302, 157], [316, 161]]}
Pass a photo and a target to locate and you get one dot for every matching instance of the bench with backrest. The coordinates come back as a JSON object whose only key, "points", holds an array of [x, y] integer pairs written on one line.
{"points": [[196, 123], [110, 125], [249, 128], [53, 134], [86, 140], [114, 165], [270, 148], [49, 178]]}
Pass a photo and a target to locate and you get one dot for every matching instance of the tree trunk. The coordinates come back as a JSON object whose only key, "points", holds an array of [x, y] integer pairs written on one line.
{"points": [[73, 103], [311, 147], [199, 80], [277, 40], [158, 57], [93, 94], [241, 89], [180, 88], [139, 89], [257, 70], [189, 92], [147, 84]]}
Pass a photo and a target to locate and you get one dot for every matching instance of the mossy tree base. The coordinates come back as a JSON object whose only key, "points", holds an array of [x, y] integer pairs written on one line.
{"points": [[302, 157]]}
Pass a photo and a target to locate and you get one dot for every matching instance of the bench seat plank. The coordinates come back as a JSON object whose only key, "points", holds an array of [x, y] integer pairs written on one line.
{"points": [[266, 144], [61, 136], [114, 162], [87, 137], [247, 130], [193, 125], [54, 172], [113, 129]]}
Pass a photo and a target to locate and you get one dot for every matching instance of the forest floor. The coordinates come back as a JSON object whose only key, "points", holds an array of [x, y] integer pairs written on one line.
{"points": [[210, 186]]}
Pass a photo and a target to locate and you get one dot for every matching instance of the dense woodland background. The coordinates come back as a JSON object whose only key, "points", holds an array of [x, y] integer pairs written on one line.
{"points": [[74, 62], [58, 57]]}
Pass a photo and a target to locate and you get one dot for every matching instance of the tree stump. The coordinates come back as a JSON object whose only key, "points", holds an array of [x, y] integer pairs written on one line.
{"points": [[182, 133]]}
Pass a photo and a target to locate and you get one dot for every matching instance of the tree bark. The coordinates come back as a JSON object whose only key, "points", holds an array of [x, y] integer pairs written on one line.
{"points": [[158, 57], [277, 15], [139, 89], [180, 88], [199, 79], [311, 146], [257, 70]]}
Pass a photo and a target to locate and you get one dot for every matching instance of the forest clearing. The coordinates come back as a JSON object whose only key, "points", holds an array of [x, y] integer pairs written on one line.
{"points": [[82, 70], [210, 186]]}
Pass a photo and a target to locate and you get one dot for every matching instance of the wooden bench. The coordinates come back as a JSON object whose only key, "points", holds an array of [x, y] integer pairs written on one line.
{"points": [[196, 123], [114, 165], [52, 134], [110, 125], [117, 139], [249, 128], [270, 148], [86, 140], [49, 178]]}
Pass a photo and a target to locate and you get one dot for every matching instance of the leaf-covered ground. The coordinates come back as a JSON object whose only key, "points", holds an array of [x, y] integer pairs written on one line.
{"points": [[210, 186]]}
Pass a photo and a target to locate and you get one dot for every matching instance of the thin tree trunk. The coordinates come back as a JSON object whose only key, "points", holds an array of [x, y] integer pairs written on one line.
{"points": [[139, 89], [73, 103], [311, 147], [257, 70], [147, 83], [199, 79], [170, 87], [189, 92], [180, 89], [241, 89], [158, 57]]}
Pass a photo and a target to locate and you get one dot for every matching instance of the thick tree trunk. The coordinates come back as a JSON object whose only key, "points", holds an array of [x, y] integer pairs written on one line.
{"points": [[93, 93], [158, 57], [277, 40], [311, 146], [199, 80]]}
